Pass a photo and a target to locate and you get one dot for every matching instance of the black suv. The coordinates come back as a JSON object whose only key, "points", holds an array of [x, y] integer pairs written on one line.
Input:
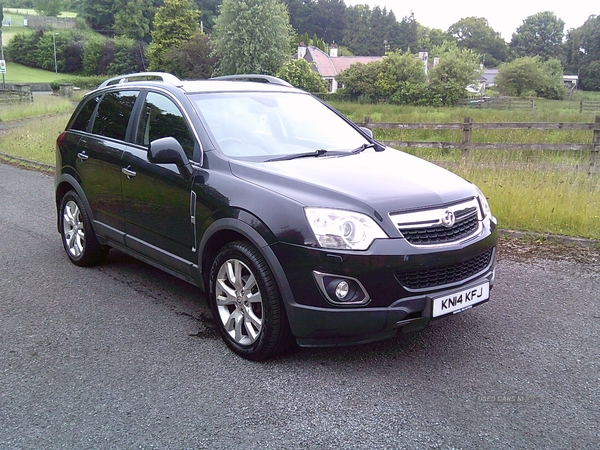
{"points": [[297, 224]]}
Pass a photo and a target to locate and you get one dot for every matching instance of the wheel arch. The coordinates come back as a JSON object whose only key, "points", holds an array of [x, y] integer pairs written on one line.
{"points": [[226, 230], [64, 184]]}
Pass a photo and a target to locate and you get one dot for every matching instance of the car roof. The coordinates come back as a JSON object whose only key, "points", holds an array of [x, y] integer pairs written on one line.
{"points": [[230, 83]]}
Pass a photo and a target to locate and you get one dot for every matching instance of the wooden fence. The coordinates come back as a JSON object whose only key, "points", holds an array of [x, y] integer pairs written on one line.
{"points": [[589, 106], [15, 96], [499, 103], [468, 126]]}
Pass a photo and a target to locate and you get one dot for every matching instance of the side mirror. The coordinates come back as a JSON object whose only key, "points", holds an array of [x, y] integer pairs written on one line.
{"points": [[367, 131], [168, 151]]}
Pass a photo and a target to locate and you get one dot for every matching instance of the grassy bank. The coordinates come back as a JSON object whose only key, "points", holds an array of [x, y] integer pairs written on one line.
{"points": [[531, 191]]}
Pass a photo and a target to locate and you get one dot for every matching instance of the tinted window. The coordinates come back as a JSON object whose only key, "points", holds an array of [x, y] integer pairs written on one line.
{"points": [[113, 114], [82, 120], [160, 118]]}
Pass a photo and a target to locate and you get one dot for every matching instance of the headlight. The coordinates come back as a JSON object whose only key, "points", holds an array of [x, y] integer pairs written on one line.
{"points": [[341, 229], [485, 207]]}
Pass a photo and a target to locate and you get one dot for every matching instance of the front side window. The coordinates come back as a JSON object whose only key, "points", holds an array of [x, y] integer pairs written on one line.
{"points": [[113, 114], [160, 117]]}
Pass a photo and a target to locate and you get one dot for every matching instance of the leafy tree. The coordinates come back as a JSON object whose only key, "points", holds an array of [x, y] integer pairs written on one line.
{"points": [[431, 37], [583, 53], [359, 81], [133, 18], [447, 81], [474, 33], [301, 14], [408, 34], [358, 28], [191, 59], [99, 14], [252, 36], [540, 35], [529, 75], [48, 7], [329, 20], [22, 48], [209, 11], [402, 78], [174, 22], [299, 73]]}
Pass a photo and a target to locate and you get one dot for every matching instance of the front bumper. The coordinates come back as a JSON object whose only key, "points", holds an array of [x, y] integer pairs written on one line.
{"points": [[395, 304]]}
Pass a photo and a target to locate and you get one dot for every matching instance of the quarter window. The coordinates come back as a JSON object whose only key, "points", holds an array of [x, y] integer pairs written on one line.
{"points": [[82, 120], [160, 117], [113, 114]]}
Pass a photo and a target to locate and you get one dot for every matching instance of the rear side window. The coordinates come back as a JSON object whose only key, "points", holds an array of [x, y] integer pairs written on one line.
{"points": [[160, 117], [113, 114], [82, 120]]}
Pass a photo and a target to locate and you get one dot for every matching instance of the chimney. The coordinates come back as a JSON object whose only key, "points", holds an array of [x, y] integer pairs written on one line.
{"points": [[301, 50], [333, 51]]}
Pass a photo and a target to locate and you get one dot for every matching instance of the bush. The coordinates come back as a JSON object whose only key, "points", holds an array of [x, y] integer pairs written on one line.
{"points": [[298, 72]]}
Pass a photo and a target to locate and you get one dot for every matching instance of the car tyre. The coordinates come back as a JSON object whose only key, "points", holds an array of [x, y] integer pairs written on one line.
{"points": [[78, 236], [246, 305]]}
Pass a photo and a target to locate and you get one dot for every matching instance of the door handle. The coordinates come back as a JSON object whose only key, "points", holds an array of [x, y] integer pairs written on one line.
{"points": [[130, 173], [82, 156]]}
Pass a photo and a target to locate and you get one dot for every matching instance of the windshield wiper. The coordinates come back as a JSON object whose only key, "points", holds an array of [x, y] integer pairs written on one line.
{"points": [[362, 148], [316, 154]]}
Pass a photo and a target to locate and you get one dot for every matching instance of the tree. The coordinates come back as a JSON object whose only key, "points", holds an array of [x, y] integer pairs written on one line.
{"points": [[474, 33], [209, 11], [540, 35], [582, 51], [99, 14], [191, 59], [299, 73], [252, 36], [448, 80], [133, 18], [529, 76], [175, 22], [359, 81], [402, 78], [48, 7]]}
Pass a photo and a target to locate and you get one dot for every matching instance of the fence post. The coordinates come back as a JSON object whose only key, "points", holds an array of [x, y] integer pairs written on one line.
{"points": [[466, 141], [595, 148], [580, 106]]}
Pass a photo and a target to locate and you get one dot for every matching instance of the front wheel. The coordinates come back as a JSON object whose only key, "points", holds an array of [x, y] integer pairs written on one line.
{"points": [[78, 236], [246, 304]]}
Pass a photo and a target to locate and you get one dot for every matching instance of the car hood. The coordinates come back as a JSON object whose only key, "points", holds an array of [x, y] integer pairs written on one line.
{"points": [[382, 181]]}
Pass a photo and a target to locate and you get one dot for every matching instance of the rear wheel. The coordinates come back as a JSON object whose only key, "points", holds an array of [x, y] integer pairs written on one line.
{"points": [[246, 304], [78, 236]]}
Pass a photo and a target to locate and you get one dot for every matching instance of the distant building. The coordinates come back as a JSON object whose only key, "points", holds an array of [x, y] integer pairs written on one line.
{"points": [[329, 66]]}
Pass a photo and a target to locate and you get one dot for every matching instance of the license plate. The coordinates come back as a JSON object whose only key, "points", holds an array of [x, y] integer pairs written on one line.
{"points": [[459, 301]]}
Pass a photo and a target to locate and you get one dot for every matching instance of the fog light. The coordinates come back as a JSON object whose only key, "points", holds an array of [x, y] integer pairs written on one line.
{"points": [[342, 290]]}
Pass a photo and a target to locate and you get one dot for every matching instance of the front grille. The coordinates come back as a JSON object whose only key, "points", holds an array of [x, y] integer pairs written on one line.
{"points": [[441, 225], [462, 228], [440, 276]]}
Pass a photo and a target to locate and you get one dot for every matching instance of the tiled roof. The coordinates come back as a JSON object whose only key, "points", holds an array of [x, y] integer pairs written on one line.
{"points": [[331, 66]]}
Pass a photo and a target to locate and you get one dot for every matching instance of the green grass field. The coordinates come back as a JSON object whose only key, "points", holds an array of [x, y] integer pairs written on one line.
{"points": [[17, 73]]}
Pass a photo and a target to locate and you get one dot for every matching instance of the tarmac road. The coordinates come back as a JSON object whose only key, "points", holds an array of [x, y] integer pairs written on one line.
{"points": [[124, 356]]}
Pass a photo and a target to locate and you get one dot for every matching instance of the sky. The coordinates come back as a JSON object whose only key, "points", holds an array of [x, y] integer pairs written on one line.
{"points": [[504, 16]]}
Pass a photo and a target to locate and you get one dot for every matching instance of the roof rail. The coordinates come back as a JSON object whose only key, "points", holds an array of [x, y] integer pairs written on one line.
{"points": [[255, 77], [143, 76]]}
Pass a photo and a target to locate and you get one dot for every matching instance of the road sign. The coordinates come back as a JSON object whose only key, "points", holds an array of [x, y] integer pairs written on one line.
{"points": [[2, 66]]}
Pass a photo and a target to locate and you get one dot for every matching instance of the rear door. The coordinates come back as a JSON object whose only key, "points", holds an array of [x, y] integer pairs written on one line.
{"points": [[99, 157]]}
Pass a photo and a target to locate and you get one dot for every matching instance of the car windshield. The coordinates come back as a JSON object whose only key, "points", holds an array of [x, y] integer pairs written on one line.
{"points": [[271, 125]]}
